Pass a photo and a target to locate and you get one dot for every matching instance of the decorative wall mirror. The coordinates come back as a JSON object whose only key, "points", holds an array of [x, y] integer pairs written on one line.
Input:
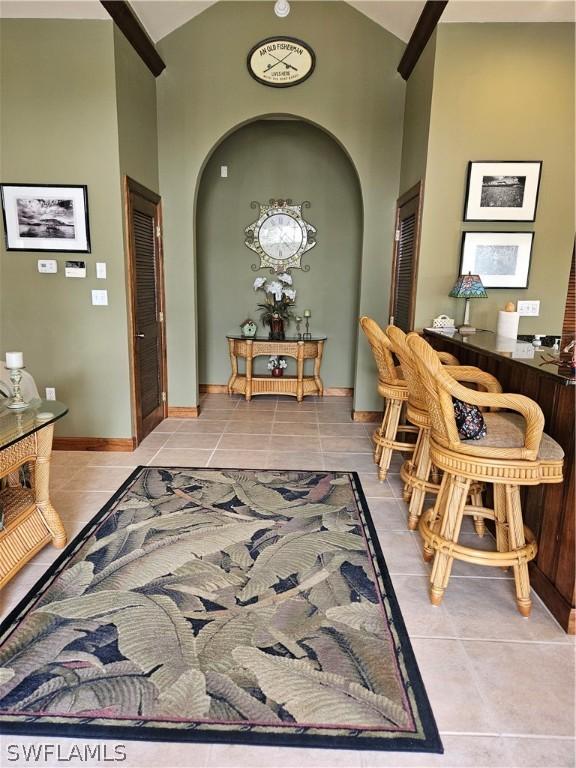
{"points": [[280, 235]]}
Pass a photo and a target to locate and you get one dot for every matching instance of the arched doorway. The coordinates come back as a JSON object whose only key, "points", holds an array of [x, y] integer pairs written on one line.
{"points": [[278, 158]]}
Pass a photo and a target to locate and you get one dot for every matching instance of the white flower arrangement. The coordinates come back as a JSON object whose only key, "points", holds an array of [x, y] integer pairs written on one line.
{"points": [[276, 362], [279, 298]]}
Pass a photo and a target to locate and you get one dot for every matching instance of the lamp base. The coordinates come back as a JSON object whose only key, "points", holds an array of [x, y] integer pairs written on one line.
{"points": [[466, 330]]}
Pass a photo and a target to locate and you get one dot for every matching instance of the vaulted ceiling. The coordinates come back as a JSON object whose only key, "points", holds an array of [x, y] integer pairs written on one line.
{"points": [[160, 17]]}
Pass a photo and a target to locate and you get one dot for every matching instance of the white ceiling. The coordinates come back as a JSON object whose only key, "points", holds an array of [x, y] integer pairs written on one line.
{"points": [[160, 17]]}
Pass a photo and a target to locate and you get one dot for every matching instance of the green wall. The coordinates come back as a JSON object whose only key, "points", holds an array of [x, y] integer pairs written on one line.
{"points": [[59, 125], [501, 92], [355, 94], [417, 118], [279, 159], [137, 124]]}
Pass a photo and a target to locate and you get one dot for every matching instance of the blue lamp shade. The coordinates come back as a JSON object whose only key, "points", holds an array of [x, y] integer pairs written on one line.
{"points": [[468, 287]]}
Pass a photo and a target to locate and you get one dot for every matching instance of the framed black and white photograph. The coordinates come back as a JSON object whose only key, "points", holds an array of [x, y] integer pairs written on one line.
{"points": [[502, 191], [502, 259], [43, 217]]}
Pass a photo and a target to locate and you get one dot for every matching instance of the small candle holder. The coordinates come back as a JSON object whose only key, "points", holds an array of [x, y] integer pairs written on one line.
{"points": [[307, 336], [17, 402], [298, 329]]}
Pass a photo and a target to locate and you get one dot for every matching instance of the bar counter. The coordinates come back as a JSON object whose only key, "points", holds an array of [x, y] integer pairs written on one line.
{"points": [[547, 509]]}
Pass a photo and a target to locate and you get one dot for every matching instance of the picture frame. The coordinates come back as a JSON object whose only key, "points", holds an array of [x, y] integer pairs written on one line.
{"points": [[502, 191], [46, 217], [502, 259]]}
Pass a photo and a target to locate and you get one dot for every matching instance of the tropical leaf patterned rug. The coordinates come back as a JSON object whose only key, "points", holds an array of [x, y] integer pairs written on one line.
{"points": [[219, 605]]}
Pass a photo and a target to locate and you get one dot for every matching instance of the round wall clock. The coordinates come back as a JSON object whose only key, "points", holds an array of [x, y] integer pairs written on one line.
{"points": [[281, 61], [280, 235]]}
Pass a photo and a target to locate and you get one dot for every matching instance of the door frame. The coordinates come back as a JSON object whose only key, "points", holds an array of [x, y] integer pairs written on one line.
{"points": [[130, 185], [417, 191]]}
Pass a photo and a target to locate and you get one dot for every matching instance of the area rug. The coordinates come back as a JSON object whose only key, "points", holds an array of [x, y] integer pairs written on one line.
{"points": [[219, 605]]}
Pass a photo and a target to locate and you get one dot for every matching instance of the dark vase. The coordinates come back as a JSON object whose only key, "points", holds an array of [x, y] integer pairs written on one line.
{"points": [[277, 372], [276, 329]]}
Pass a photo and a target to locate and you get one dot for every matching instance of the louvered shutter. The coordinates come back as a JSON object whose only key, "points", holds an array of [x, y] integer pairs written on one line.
{"points": [[147, 308], [404, 266]]}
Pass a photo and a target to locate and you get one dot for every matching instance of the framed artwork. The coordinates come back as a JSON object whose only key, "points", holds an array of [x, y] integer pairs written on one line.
{"points": [[45, 217], [502, 259], [502, 191]]}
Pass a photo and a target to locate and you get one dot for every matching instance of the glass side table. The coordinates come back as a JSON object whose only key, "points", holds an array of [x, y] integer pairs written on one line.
{"points": [[29, 521]]}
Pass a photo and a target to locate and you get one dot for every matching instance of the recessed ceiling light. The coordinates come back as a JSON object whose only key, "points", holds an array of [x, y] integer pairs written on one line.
{"points": [[282, 8]]}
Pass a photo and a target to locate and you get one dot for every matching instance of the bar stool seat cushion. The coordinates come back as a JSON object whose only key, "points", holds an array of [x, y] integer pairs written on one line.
{"points": [[507, 430]]}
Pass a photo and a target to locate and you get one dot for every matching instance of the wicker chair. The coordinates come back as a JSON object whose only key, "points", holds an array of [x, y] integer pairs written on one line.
{"points": [[417, 471], [392, 387], [514, 452]]}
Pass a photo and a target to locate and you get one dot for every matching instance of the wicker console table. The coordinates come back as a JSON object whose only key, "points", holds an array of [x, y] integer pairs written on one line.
{"points": [[298, 386], [29, 519]]}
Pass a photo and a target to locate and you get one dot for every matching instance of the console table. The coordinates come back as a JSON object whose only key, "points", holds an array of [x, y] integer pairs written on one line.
{"points": [[29, 521], [298, 386]]}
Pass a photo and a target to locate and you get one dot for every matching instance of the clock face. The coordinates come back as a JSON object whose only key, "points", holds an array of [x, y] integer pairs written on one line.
{"points": [[280, 236], [281, 62]]}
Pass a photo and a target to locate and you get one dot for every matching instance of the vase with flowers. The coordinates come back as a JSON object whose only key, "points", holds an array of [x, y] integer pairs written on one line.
{"points": [[277, 308], [277, 365]]}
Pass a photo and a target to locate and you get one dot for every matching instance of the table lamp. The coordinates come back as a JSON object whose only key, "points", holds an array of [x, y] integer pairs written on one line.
{"points": [[468, 287]]}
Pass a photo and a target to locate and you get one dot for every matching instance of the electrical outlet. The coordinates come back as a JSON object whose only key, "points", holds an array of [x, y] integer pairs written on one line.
{"points": [[224, 171], [50, 393], [529, 308]]}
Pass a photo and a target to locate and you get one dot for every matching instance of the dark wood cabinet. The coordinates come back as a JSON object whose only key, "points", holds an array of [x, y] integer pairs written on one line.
{"points": [[548, 509]]}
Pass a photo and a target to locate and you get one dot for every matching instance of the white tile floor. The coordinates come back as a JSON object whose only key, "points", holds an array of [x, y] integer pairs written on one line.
{"points": [[501, 687]]}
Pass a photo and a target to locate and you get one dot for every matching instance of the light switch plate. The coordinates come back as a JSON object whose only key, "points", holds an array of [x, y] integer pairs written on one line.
{"points": [[224, 171], [100, 298], [47, 266], [101, 270], [530, 308]]}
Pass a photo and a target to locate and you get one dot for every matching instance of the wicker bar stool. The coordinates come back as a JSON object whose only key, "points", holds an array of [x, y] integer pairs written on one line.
{"points": [[514, 452], [392, 387], [417, 471]]}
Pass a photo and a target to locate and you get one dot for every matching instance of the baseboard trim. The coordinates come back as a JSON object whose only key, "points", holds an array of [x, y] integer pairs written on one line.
{"points": [[94, 444], [183, 411], [222, 389], [367, 416]]}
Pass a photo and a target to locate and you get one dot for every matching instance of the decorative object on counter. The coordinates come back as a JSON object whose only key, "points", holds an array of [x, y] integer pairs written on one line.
{"points": [[468, 287], [277, 365], [248, 328], [298, 329], [15, 364], [537, 340], [44, 217], [280, 298], [443, 321], [502, 259], [280, 235], [508, 319], [307, 315], [502, 191]]}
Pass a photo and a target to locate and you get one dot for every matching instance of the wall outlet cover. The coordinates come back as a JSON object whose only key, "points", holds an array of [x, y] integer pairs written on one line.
{"points": [[529, 308], [50, 393], [100, 298], [47, 266]]}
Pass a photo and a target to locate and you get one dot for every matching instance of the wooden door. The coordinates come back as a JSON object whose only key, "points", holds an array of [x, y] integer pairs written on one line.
{"points": [[405, 259], [146, 308]]}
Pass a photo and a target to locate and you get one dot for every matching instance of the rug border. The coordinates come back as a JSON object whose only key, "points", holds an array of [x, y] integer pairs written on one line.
{"points": [[432, 743]]}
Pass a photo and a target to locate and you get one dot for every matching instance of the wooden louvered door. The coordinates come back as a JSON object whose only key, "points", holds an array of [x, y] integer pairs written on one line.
{"points": [[405, 259], [146, 289]]}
